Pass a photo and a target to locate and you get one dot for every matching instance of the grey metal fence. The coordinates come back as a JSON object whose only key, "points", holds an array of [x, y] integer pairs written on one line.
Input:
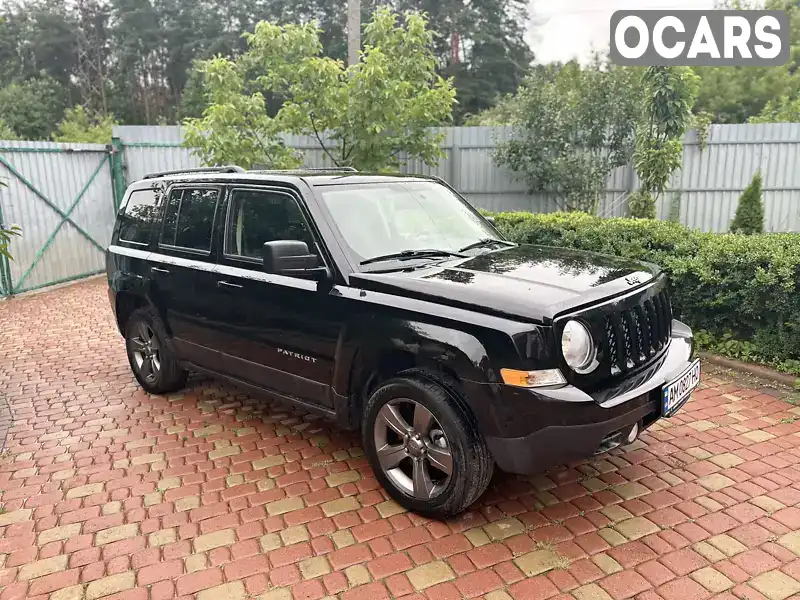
{"points": [[61, 196], [704, 192], [64, 196]]}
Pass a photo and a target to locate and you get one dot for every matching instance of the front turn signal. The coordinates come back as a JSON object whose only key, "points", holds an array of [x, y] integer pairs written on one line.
{"points": [[532, 379]]}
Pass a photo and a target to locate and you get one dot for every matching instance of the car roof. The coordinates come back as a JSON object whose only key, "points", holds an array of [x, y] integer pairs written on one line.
{"points": [[312, 178]]}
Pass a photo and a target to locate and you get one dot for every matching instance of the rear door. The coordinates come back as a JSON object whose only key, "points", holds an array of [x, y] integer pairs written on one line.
{"points": [[281, 332], [127, 259], [183, 270]]}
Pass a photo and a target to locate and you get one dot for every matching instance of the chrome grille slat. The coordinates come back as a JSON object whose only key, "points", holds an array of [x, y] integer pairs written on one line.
{"points": [[611, 343], [633, 333], [655, 340], [645, 347], [619, 342]]}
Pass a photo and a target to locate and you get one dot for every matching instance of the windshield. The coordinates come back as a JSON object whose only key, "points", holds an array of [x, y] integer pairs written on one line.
{"points": [[385, 218]]}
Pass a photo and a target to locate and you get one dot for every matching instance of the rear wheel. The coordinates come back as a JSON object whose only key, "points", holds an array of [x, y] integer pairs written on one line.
{"points": [[424, 447], [153, 363]]}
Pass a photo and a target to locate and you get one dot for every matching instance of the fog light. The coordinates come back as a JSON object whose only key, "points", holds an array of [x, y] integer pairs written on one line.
{"points": [[634, 433]]}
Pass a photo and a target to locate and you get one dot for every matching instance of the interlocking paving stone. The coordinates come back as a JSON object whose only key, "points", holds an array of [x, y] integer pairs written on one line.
{"points": [[538, 561], [775, 585], [430, 574], [500, 530], [712, 580], [213, 493]]}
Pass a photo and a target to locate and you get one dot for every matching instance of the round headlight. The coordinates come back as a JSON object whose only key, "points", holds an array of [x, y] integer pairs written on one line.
{"points": [[578, 347]]}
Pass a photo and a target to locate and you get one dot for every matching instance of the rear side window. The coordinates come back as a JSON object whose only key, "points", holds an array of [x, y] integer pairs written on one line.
{"points": [[189, 218], [136, 221]]}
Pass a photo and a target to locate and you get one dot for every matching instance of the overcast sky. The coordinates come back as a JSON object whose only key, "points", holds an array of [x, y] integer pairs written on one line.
{"points": [[565, 29]]}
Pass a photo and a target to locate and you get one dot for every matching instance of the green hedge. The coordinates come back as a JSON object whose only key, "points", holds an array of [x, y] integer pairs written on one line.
{"points": [[740, 293]]}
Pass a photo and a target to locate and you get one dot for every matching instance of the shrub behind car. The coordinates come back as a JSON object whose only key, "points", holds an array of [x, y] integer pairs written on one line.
{"points": [[732, 286]]}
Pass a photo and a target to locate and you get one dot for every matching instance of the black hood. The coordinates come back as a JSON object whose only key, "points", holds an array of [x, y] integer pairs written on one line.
{"points": [[529, 282]]}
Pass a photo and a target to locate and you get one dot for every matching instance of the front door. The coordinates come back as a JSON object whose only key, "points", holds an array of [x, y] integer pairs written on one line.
{"points": [[280, 332]]}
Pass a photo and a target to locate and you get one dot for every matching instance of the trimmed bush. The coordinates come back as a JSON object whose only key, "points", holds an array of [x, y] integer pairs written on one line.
{"points": [[731, 287], [749, 217]]}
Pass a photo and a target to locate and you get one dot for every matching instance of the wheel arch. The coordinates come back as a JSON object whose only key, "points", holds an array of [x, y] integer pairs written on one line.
{"points": [[452, 358], [471, 462], [131, 292], [126, 303]]}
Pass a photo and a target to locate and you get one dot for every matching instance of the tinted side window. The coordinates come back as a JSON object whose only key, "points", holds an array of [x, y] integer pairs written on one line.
{"points": [[257, 217], [136, 220], [189, 218], [171, 217]]}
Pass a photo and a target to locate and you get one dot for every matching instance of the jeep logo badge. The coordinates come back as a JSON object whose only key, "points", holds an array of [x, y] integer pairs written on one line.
{"points": [[632, 280]]}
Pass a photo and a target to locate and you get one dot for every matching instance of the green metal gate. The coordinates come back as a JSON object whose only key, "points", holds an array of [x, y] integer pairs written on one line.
{"points": [[63, 198]]}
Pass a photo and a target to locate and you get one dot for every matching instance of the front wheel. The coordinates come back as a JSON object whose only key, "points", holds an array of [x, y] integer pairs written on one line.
{"points": [[153, 363], [424, 446]]}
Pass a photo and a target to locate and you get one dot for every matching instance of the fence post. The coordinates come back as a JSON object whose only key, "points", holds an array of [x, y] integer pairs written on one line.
{"points": [[5, 276], [118, 170], [5, 268], [455, 167], [631, 186]]}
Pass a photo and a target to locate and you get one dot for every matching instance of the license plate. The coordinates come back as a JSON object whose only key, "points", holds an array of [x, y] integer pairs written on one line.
{"points": [[677, 392]]}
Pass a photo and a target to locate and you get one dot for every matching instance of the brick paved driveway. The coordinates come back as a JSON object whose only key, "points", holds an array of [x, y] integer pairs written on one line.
{"points": [[218, 495]]}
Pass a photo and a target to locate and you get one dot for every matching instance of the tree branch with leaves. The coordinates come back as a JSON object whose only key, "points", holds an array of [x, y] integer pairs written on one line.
{"points": [[84, 127], [7, 234], [235, 127], [372, 115]]}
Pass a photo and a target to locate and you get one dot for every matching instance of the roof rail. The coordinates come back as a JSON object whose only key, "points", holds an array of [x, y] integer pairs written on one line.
{"points": [[228, 169], [343, 169], [309, 169]]}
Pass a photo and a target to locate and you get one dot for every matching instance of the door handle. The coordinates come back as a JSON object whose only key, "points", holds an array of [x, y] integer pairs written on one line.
{"points": [[157, 270], [228, 284]]}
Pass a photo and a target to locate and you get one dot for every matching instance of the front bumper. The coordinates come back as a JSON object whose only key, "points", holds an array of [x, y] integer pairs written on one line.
{"points": [[565, 424]]}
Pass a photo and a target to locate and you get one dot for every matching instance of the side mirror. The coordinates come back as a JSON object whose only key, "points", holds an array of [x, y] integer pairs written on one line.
{"points": [[490, 219], [290, 257]]}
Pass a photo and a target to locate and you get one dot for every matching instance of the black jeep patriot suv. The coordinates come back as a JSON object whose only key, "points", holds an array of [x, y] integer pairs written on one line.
{"points": [[389, 304]]}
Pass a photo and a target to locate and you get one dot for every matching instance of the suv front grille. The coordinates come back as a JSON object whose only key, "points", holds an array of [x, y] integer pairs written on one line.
{"points": [[636, 334]]}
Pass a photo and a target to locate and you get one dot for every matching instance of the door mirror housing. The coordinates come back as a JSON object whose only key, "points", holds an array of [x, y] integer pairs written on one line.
{"points": [[490, 219], [292, 257]]}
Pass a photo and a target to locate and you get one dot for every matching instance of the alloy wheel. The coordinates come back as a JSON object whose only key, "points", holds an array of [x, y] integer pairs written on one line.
{"points": [[146, 352], [412, 448]]}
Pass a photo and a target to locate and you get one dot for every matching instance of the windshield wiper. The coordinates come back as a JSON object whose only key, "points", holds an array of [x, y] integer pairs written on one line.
{"points": [[486, 242], [411, 254]]}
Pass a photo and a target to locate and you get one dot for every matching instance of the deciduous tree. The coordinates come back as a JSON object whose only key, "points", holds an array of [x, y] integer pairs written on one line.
{"points": [[668, 96], [737, 94], [6, 133], [33, 107], [780, 110], [573, 127], [371, 115], [37, 37], [235, 127], [82, 126], [481, 45]]}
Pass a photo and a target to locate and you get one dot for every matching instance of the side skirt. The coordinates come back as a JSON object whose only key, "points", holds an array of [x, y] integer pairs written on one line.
{"points": [[258, 390]]}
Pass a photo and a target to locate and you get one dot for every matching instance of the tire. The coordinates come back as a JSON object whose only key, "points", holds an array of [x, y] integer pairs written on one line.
{"points": [[445, 426], [146, 344]]}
